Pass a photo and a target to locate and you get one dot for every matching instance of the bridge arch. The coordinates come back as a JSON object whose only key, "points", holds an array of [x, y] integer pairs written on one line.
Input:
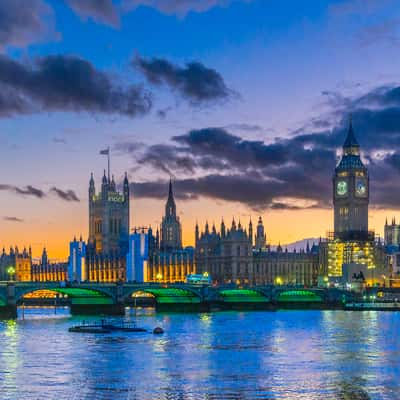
{"points": [[243, 295], [169, 294], [299, 296], [75, 294]]}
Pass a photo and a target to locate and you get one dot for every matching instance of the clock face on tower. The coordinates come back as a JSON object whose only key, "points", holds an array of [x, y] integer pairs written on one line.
{"points": [[361, 187], [341, 188]]}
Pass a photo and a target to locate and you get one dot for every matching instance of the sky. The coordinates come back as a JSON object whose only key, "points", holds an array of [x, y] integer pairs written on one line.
{"points": [[244, 103]]}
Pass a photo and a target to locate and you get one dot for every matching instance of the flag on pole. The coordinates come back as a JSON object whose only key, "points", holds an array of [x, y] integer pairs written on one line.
{"points": [[106, 152]]}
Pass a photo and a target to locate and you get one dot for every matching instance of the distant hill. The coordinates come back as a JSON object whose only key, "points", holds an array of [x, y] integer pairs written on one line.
{"points": [[300, 244]]}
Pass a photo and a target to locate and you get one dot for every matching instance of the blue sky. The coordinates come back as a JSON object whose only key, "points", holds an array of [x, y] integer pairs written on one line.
{"points": [[285, 68]]}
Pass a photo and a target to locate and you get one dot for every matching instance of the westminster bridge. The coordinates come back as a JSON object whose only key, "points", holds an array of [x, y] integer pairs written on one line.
{"points": [[111, 298]]}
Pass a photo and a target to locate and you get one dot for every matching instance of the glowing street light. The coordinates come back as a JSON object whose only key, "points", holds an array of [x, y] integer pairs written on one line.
{"points": [[278, 280], [159, 277], [11, 272]]}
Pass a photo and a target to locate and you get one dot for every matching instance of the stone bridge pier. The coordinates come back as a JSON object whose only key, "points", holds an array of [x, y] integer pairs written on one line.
{"points": [[8, 301]]}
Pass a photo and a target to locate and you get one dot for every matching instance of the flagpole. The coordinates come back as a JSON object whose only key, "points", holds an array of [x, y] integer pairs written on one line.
{"points": [[108, 157]]}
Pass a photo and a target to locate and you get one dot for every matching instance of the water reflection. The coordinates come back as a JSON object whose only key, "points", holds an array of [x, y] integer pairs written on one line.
{"points": [[226, 355]]}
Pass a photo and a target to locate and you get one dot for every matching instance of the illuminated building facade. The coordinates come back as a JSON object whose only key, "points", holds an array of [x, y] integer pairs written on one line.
{"points": [[227, 255], [392, 252], [173, 266], [171, 230], [368, 252], [47, 270], [392, 233], [16, 265], [138, 256], [107, 245], [230, 256], [76, 261], [168, 261], [282, 267]]}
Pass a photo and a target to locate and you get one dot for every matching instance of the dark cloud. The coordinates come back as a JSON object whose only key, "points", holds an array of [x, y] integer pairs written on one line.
{"points": [[103, 11], [68, 195], [244, 127], [29, 190], [23, 22], [195, 82], [25, 191], [256, 193], [288, 173], [109, 11], [178, 7], [12, 219], [65, 83]]}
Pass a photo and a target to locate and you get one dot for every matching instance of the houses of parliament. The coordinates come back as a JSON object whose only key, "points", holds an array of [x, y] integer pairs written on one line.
{"points": [[230, 254]]}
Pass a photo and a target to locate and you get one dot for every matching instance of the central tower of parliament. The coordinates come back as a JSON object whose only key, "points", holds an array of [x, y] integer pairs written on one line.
{"points": [[107, 245]]}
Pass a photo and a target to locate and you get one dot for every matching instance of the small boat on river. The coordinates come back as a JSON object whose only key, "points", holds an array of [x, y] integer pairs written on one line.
{"points": [[88, 329], [104, 326]]}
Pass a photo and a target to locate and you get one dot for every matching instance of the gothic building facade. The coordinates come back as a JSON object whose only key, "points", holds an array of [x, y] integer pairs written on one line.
{"points": [[107, 245], [392, 252], [168, 260], [225, 255], [16, 265], [20, 266], [233, 255], [351, 244], [171, 230], [47, 270]]}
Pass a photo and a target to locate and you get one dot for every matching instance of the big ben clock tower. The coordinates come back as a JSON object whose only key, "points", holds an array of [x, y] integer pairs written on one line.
{"points": [[351, 192]]}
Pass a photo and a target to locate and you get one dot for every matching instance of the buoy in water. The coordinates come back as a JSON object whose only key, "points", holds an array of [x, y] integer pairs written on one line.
{"points": [[158, 330]]}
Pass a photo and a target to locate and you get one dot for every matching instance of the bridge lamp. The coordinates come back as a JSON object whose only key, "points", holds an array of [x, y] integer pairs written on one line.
{"points": [[205, 274], [278, 280], [159, 277], [11, 271]]}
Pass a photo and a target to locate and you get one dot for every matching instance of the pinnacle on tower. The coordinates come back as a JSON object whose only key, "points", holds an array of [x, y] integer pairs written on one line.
{"points": [[350, 145], [170, 192]]}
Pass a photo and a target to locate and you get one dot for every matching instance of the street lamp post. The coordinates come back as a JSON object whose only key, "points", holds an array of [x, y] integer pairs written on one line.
{"points": [[11, 272]]}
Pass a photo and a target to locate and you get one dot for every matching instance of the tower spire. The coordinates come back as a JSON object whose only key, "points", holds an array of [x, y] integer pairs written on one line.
{"points": [[170, 192], [350, 145]]}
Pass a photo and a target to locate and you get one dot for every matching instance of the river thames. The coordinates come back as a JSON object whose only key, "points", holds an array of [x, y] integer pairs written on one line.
{"points": [[222, 355]]}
